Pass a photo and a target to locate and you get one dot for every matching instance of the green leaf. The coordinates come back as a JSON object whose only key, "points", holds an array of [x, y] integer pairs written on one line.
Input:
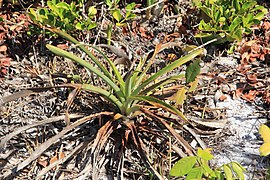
{"points": [[92, 11], [259, 16], [109, 3], [89, 66], [183, 166], [228, 172], [158, 103], [238, 170], [195, 173], [79, 26], [193, 70], [168, 68], [62, 5], [108, 95], [117, 15], [92, 25], [205, 154]]}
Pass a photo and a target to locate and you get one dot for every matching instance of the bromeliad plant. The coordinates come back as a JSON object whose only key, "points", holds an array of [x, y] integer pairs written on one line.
{"points": [[129, 94], [126, 95]]}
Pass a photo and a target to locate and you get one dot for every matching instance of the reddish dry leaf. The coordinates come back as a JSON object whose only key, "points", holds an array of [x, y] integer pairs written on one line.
{"points": [[222, 97], [53, 159], [238, 92], [247, 46], [3, 48], [266, 97], [42, 161], [5, 62], [62, 46], [266, 25], [61, 155], [250, 96], [252, 78]]}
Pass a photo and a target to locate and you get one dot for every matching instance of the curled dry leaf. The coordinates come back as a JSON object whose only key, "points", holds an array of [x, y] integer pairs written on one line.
{"points": [[252, 78]]}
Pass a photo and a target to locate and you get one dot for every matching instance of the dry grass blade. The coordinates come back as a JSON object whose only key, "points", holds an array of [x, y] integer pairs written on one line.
{"points": [[52, 140], [61, 161], [139, 144], [24, 128], [181, 140], [202, 144]]}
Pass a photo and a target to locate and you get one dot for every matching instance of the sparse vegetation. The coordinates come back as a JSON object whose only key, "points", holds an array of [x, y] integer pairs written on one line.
{"points": [[125, 94]]}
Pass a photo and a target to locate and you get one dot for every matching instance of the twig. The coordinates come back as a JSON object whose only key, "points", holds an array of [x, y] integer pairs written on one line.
{"points": [[149, 7], [24, 128]]}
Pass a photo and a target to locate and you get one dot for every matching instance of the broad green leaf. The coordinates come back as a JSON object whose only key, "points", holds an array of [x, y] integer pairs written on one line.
{"points": [[92, 11], [92, 25], [193, 70], [195, 174], [79, 26], [183, 166], [238, 170], [117, 15], [169, 68], [205, 154], [207, 170], [265, 134], [236, 5], [228, 172], [235, 23], [180, 96], [62, 5], [259, 16], [109, 3]]}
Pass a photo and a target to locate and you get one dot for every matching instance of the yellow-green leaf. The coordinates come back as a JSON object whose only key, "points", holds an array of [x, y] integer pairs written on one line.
{"points": [[228, 172], [180, 96], [265, 149], [265, 134]]}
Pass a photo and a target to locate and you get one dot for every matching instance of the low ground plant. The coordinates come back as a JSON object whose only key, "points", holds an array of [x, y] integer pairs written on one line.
{"points": [[197, 167], [228, 20]]}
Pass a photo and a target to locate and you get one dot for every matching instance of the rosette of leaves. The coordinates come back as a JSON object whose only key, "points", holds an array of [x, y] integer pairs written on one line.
{"points": [[130, 97], [228, 20]]}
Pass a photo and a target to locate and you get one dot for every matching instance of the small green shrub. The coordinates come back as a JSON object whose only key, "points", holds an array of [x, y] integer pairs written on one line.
{"points": [[228, 19], [116, 12], [196, 167], [65, 16]]}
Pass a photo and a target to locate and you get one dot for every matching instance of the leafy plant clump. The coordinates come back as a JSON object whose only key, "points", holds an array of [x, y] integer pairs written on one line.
{"points": [[196, 167], [229, 20], [65, 16]]}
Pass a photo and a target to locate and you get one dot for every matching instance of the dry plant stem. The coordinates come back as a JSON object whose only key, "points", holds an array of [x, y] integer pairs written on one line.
{"points": [[181, 140], [202, 144], [138, 143], [149, 7], [24, 128], [52, 140]]}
